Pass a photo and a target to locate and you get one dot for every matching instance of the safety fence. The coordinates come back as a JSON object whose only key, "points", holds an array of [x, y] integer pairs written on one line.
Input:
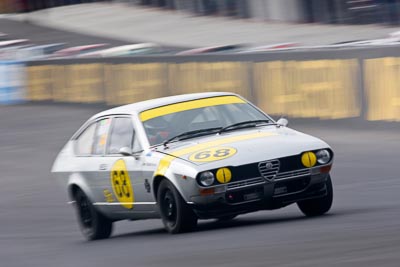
{"points": [[325, 88]]}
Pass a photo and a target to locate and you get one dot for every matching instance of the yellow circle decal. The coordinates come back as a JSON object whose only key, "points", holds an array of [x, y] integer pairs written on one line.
{"points": [[224, 175], [309, 159], [212, 154], [121, 184]]}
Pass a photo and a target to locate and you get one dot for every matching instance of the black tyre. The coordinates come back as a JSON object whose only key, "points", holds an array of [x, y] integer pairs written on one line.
{"points": [[176, 215], [318, 206], [93, 224]]}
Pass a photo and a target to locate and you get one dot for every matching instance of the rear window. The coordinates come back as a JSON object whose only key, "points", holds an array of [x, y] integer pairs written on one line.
{"points": [[85, 141]]}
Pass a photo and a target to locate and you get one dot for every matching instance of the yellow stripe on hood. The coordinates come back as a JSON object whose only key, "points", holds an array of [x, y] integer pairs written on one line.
{"points": [[165, 162]]}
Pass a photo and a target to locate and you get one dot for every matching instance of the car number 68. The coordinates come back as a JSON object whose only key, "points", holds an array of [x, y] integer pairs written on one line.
{"points": [[212, 154]]}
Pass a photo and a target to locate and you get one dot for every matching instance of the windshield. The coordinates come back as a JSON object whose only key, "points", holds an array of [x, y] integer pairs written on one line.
{"points": [[166, 122]]}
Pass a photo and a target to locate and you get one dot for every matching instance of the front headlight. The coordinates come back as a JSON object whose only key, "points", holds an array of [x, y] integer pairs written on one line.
{"points": [[206, 178], [323, 156]]}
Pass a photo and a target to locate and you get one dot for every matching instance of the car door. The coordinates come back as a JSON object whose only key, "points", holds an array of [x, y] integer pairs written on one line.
{"points": [[127, 186]]}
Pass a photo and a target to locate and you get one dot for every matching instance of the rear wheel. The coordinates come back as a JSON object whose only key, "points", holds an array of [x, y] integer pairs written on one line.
{"points": [[176, 215], [318, 206], [93, 224]]}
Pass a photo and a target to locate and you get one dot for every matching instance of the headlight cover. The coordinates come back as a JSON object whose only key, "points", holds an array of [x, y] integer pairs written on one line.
{"points": [[323, 156], [206, 178]]}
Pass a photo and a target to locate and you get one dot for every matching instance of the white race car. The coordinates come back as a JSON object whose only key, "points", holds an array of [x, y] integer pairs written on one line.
{"points": [[190, 157]]}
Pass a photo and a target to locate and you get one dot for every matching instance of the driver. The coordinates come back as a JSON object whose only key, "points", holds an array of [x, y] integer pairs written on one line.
{"points": [[157, 130]]}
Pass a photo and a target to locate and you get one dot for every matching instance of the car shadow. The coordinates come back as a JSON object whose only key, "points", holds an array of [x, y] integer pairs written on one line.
{"points": [[250, 220], [215, 225]]}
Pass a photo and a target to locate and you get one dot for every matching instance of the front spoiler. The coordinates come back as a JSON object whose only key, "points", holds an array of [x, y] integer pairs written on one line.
{"points": [[219, 206]]}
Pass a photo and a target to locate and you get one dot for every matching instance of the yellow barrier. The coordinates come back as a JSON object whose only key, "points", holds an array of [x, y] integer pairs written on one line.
{"points": [[129, 83], [80, 83], [209, 77], [326, 89], [382, 88], [40, 84]]}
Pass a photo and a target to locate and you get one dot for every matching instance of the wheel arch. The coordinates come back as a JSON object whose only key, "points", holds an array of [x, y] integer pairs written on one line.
{"points": [[72, 190], [156, 184], [78, 185], [75, 183]]}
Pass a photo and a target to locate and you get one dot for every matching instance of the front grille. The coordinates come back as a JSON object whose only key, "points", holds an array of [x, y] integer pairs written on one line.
{"points": [[292, 174], [244, 183], [284, 168], [269, 169], [291, 186]]}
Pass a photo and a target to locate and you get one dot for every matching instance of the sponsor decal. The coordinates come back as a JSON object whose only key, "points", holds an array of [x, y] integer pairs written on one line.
{"points": [[212, 154]]}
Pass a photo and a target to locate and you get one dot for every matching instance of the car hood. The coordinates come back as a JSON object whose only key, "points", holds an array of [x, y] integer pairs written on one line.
{"points": [[243, 146]]}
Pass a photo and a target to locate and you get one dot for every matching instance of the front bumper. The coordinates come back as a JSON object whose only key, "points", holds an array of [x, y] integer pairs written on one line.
{"points": [[260, 196]]}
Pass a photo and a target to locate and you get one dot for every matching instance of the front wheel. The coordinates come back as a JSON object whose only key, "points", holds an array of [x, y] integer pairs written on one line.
{"points": [[176, 215], [318, 206], [93, 224]]}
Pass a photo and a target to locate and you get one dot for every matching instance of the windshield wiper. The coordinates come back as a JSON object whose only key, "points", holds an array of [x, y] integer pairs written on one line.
{"points": [[244, 124], [192, 134]]}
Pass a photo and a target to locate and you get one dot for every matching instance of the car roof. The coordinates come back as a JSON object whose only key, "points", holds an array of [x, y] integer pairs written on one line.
{"points": [[138, 107]]}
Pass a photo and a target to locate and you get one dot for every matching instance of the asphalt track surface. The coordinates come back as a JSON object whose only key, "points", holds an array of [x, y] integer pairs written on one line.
{"points": [[41, 35], [38, 228]]}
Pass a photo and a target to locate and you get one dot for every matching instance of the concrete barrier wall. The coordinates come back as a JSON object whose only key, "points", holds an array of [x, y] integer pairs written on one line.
{"points": [[327, 85], [12, 82]]}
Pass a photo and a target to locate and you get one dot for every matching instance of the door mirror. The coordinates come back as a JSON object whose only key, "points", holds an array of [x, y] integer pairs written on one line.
{"points": [[126, 151], [282, 122]]}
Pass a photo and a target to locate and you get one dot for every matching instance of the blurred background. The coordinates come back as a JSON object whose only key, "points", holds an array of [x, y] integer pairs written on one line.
{"points": [[117, 52], [331, 66], [325, 11]]}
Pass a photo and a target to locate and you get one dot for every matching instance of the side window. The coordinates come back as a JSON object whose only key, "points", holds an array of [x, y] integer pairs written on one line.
{"points": [[100, 136], [121, 135], [85, 140]]}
